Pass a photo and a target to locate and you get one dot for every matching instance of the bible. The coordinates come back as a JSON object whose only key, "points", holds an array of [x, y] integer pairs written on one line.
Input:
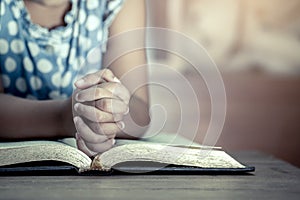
{"points": [[127, 156]]}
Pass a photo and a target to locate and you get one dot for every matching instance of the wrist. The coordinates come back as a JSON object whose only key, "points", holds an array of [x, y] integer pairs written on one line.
{"points": [[66, 119]]}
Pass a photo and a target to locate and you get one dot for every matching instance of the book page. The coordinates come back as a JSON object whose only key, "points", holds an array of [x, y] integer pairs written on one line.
{"points": [[165, 139], [29, 151], [165, 154], [7, 145]]}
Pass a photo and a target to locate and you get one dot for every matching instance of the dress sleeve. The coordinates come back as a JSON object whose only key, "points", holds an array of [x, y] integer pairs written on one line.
{"points": [[112, 8]]}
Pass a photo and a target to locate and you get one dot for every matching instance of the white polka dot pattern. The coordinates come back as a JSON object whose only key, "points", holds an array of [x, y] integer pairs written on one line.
{"points": [[66, 80], [56, 79], [36, 63], [34, 48], [92, 4], [82, 17], [64, 50], [27, 63], [113, 5], [56, 95], [94, 57], [3, 46], [44, 66], [92, 23], [85, 43], [72, 56], [12, 28], [76, 31], [21, 84], [35, 83], [2, 10], [10, 64], [99, 35], [17, 46], [16, 12], [5, 81], [31, 97]]}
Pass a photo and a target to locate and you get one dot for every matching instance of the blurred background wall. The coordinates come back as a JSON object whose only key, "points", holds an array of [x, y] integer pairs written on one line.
{"points": [[256, 46]]}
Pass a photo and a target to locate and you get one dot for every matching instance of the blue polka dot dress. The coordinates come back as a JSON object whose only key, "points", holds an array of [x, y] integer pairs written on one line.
{"points": [[36, 63]]}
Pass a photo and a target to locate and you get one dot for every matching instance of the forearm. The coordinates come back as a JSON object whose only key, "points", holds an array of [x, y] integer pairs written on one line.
{"points": [[132, 70], [131, 67], [29, 119], [139, 116]]}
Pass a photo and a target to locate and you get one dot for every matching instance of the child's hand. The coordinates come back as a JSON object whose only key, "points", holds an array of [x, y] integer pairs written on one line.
{"points": [[100, 105]]}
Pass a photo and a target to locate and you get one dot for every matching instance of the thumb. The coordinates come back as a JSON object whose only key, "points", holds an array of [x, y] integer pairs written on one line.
{"points": [[96, 78]]}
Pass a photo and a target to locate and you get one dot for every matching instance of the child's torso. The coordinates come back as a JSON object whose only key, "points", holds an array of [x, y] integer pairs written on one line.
{"points": [[39, 63]]}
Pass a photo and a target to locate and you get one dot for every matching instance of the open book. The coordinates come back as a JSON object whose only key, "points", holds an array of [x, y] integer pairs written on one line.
{"points": [[126, 156]]}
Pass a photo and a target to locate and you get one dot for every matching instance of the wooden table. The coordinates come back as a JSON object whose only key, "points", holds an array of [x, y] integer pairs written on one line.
{"points": [[273, 179]]}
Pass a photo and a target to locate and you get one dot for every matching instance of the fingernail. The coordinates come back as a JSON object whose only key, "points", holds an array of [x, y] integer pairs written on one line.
{"points": [[80, 82], [117, 80], [127, 111], [121, 125], [76, 107], [113, 141], [77, 136], [75, 119], [77, 97]]}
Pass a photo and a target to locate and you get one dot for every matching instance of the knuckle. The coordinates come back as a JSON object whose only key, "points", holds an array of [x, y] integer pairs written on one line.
{"points": [[92, 75], [83, 147], [98, 140], [98, 104], [117, 117], [98, 129], [93, 140], [80, 110], [114, 132], [98, 92], [99, 117], [108, 132], [106, 105], [111, 136], [102, 104], [112, 85], [107, 71], [86, 78], [99, 148], [103, 116]]}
